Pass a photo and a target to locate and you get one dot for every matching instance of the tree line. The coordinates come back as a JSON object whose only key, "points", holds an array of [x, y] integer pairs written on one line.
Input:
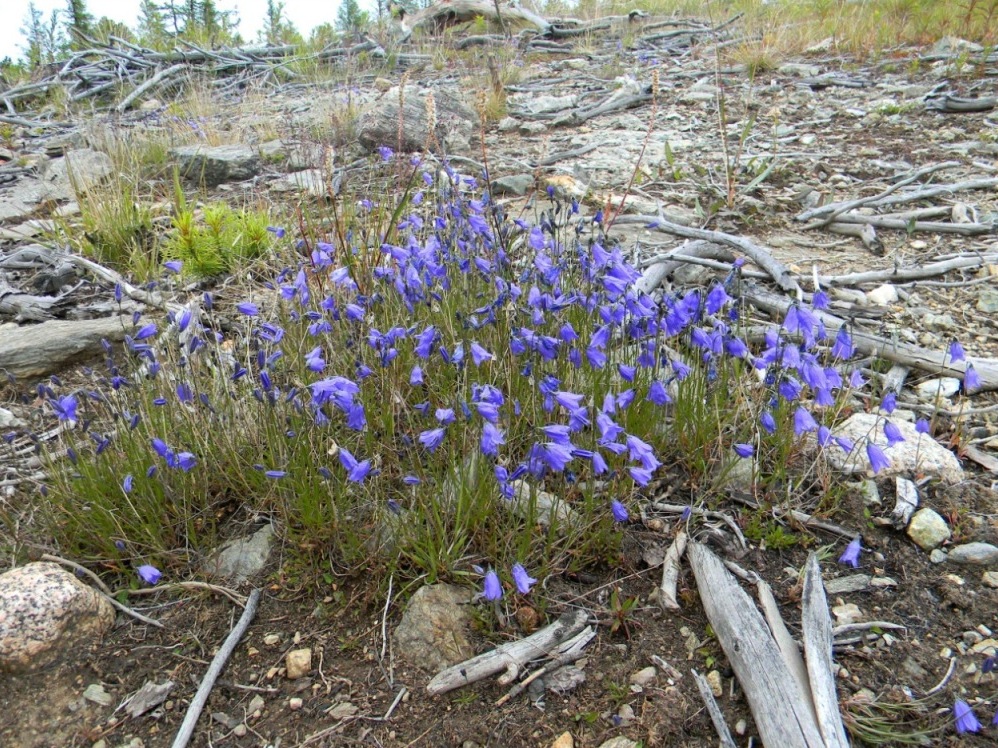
{"points": [[162, 23]]}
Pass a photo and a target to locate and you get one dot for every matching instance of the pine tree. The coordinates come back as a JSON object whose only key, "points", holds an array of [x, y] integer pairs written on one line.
{"points": [[349, 16], [34, 35], [79, 23], [152, 29]]}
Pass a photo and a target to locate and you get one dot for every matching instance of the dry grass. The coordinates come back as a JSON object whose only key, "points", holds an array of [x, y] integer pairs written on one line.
{"points": [[860, 27]]}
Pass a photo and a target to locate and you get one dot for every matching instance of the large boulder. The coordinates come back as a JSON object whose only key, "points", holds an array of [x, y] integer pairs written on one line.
{"points": [[918, 453], [75, 172], [47, 615], [215, 165], [457, 124]]}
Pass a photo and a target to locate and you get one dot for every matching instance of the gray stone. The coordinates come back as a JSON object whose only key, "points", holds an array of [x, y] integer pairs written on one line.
{"points": [[75, 172], [433, 633], [456, 127], [918, 453], [215, 165], [95, 692], [870, 493], [8, 420], [938, 322], [974, 554], [310, 181], [508, 124], [937, 556], [928, 529], [930, 389], [644, 676], [240, 559], [515, 184], [47, 615], [883, 295], [45, 348], [543, 104], [852, 583], [564, 679], [987, 300], [532, 128], [990, 579]]}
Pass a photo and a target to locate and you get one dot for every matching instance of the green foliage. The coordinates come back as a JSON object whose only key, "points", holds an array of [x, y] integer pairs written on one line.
{"points": [[44, 40], [152, 30], [117, 226], [350, 18], [216, 240], [79, 23]]}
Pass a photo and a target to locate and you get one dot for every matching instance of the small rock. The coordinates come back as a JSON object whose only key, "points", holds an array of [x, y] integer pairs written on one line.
{"points": [[95, 692], [987, 300], [740, 727], [565, 740], [508, 124], [47, 614], [928, 529], [295, 703], [8, 420], [256, 704], [971, 638], [938, 322], [434, 628], [298, 662], [847, 613], [930, 389], [883, 295], [990, 579], [515, 184], [271, 639], [532, 128], [343, 710], [150, 105], [911, 667], [644, 676], [383, 84], [626, 714], [937, 556], [869, 491], [619, 742], [564, 679], [852, 583], [240, 730], [985, 646], [716, 686], [240, 559], [976, 554], [883, 582]]}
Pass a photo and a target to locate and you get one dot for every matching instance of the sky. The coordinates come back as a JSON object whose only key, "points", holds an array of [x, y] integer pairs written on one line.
{"points": [[304, 14]]}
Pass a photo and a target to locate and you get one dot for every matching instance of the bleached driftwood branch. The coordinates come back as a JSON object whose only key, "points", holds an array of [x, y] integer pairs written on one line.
{"points": [[817, 630], [670, 572], [782, 714], [509, 657], [716, 716]]}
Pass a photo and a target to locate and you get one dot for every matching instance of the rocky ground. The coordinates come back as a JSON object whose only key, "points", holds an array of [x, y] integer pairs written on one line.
{"points": [[807, 133]]}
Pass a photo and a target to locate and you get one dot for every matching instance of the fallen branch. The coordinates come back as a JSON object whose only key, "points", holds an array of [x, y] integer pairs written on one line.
{"points": [[781, 711], [509, 657], [566, 654], [214, 670], [670, 572], [716, 716], [937, 363], [760, 256], [817, 634]]}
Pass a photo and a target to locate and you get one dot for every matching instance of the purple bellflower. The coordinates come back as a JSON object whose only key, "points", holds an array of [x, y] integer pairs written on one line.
{"points": [[523, 580], [966, 720], [149, 574], [850, 555]]}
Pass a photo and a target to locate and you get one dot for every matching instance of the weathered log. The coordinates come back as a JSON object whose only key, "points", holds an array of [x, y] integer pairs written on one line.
{"points": [[933, 362], [509, 657], [817, 630], [781, 711], [43, 349], [716, 716]]}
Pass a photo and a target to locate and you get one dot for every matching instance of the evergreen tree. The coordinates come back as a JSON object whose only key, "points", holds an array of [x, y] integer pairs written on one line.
{"points": [[152, 29], [349, 16], [278, 30], [33, 31], [79, 23]]}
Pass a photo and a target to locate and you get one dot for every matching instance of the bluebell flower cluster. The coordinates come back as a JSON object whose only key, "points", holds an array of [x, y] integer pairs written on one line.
{"points": [[374, 370]]}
